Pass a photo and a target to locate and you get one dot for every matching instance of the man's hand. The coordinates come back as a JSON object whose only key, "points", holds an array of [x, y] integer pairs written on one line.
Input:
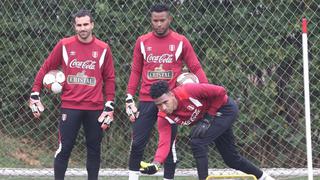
{"points": [[131, 108], [149, 168], [201, 128], [35, 104], [106, 116]]}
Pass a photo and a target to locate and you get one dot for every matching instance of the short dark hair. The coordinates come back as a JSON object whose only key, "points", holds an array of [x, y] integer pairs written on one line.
{"points": [[82, 13], [159, 7], [159, 88]]}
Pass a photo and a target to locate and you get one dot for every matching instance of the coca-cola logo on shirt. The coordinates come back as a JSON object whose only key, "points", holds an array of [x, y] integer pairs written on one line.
{"points": [[87, 64], [192, 118], [164, 58]]}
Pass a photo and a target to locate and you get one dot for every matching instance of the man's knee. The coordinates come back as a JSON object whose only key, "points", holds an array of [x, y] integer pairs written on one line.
{"points": [[198, 149], [137, 146]]}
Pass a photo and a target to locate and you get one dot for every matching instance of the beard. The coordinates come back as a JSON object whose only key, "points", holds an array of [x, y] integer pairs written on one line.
{"points": [[84, 34], [161, 32]]}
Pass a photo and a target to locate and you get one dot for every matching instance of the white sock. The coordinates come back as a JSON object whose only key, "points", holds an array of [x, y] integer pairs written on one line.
{"points": [[134, 175], [167, 179], [263, 176]]}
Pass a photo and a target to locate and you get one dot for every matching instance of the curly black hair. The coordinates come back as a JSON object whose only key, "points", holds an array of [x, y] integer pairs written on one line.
{"points": [[159, 8], [158, 89]]}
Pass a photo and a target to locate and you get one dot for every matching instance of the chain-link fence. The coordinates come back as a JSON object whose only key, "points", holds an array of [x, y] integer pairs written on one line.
{"points": [[253, 48]]}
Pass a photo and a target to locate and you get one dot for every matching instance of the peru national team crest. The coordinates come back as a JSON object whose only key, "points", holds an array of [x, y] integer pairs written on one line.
{"points": [[190, 107], [172, 47], [94, 54], [72, 53]]}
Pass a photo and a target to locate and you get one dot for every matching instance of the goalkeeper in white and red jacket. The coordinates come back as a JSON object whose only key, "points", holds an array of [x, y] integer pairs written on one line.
{"points": [[87, 95], [211, 113]]}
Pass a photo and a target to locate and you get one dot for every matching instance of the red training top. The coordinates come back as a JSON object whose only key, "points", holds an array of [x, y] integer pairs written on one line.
{"points": [[161, 58], [194, 101], [89, 71]]}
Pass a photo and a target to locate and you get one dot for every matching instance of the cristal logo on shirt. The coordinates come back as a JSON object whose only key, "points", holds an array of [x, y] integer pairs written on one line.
{"points": [[81, 78], [160, 73]]}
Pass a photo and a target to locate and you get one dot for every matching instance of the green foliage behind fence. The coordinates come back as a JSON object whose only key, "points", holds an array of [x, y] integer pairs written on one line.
{"points": [[253, 48]]}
